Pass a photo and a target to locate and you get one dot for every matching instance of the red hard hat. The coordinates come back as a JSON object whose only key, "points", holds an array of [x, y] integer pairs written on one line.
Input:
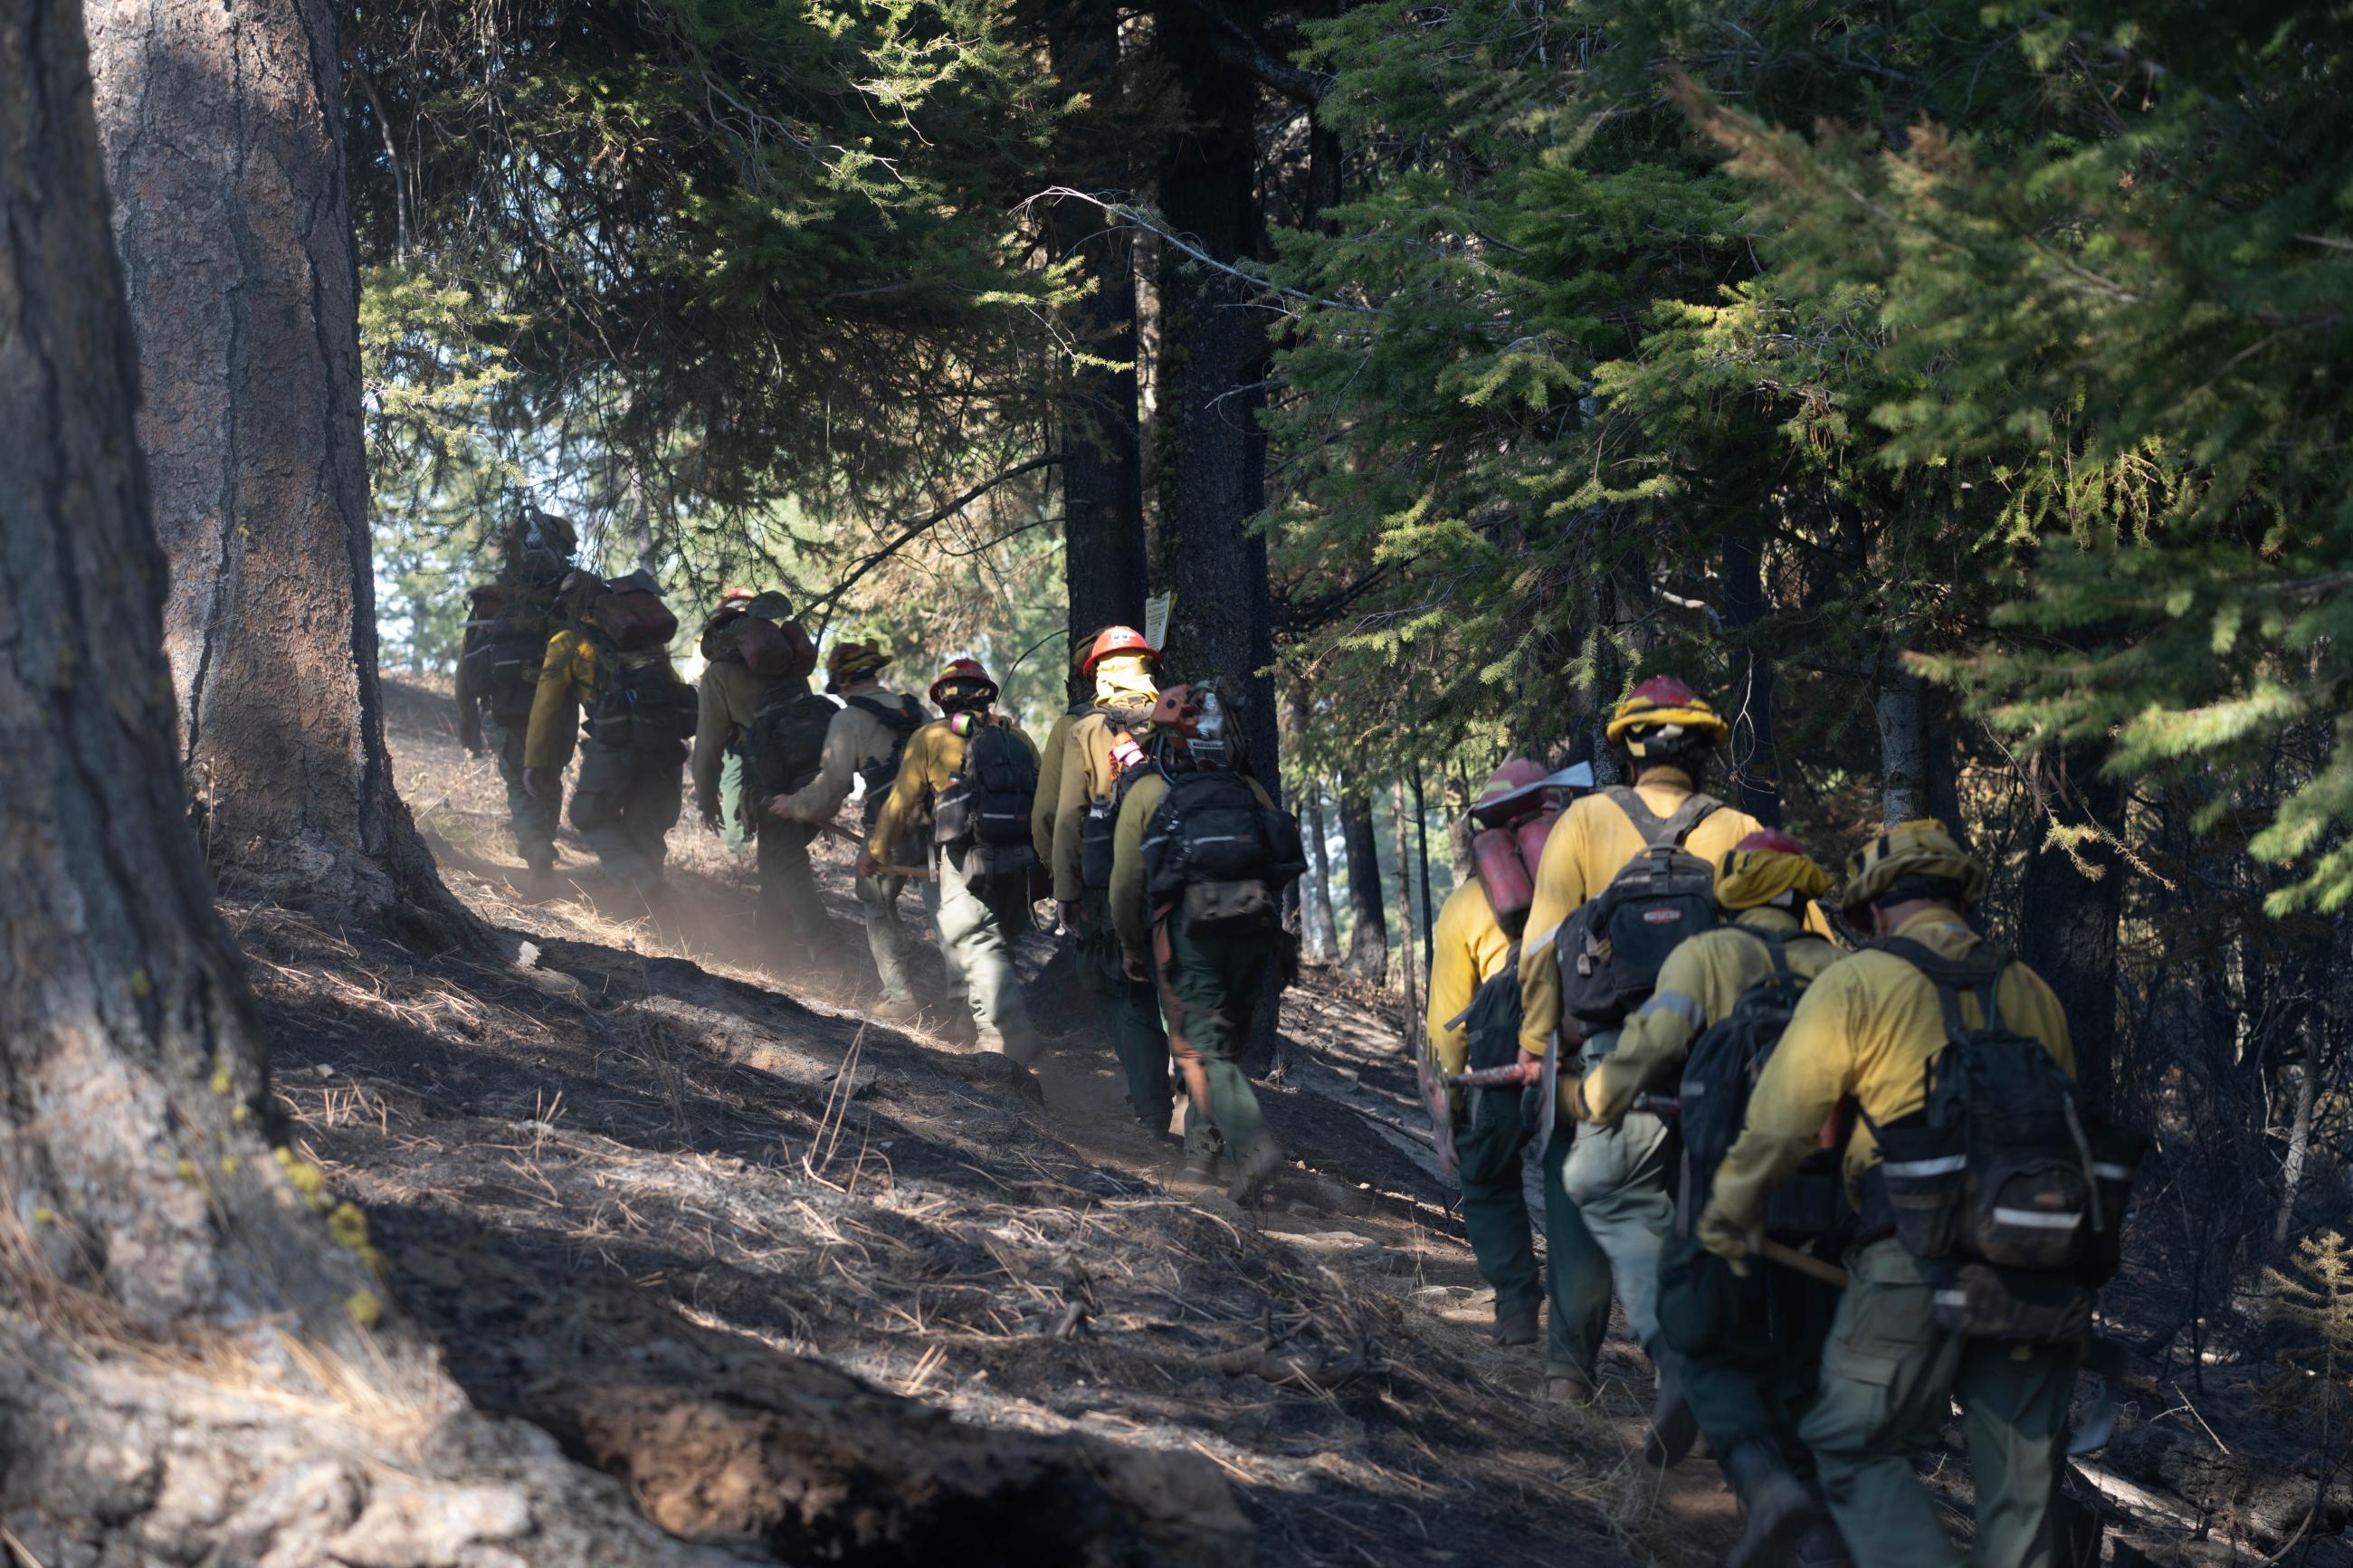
{"points": [[1665, 691], [1117, 639], [1769, 841], [959, 671], [1515, 774]]}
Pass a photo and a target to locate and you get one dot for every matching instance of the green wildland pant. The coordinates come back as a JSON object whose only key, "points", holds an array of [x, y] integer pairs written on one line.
{"points": [[1617, 1177], [789, 899], [981, 976], [534, 820], [887, 935], [1889, 1377], [1576, 1276], [1751, 1348], [1208, 987], [1131, 1012], [734, 801], [1494, 1204], [625, 803]]}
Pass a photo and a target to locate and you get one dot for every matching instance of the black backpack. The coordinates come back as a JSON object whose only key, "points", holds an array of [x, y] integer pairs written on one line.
{"points": [[1720, 1073], [1611, 948], [1224, 859], [982, 818], [1099, 828], [1491, 1024], [2002, 1175], [506, 640], [786, 738], [881, 773], [641, 707]]}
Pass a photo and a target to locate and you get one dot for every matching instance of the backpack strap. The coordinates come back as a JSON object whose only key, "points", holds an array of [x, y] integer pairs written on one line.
{"points": [[1979, 974], [1672, 828]]}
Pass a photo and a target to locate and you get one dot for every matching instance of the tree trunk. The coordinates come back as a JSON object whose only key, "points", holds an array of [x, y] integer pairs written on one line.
{"points": [[1405, 922], [224, 128], [1748, 700], [1368, 931], [1323, 931], [1211, 477], [1899, 703], [1106, 564], [2299, 1133], [2069, 936], [1458, 826]]}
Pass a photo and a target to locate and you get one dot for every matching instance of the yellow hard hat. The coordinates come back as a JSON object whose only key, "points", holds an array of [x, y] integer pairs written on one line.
{"points": [[849, 660], [1664, 703], [1921, 848], [1764, 866]]}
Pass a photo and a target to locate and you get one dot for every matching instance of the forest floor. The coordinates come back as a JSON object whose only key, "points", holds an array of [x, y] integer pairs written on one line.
{"points": [[631, 1180]]}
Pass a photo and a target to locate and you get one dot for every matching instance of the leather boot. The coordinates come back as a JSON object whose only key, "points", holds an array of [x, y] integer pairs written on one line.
{"points": [[1516, 1327], [1779, 1509], [1673, 1427], [1823, 1547]]}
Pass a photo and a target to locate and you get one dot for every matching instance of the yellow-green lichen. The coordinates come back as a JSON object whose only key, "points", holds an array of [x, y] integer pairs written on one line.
{"points": [[44, 1215], [188, 1171], [140, 986], [222, 1082], [348, 1227], [365, 1307], [229, 1165], [307, 1179]]}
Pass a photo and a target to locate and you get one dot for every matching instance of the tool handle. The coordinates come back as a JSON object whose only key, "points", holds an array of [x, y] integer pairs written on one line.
{"points": [[1789, 1256], [1515, 1075], [1665, 1107]]}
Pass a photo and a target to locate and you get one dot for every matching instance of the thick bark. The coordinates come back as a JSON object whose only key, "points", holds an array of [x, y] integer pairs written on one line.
{"points": [[1748, 700], [2299, 1133], [1212, 460], [1106, 564], [2069, 934], [1368, 931], [1405, 922], [1458, 826], [224, 136]]}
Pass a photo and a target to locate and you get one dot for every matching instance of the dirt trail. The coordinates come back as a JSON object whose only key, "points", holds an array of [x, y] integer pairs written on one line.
{"points": [[710, 1227], [716, 1230]]}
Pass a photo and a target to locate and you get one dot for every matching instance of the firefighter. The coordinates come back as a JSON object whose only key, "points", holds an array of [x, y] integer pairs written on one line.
{"points": [[1472, 949], [498, 672], [639, 714], [1868, 1030], [1200, 858], [737, 827], [1050, 756], [1102, 746], [754, 703], [964, 791], [863, 742], [1615, 1179], [1747, 1349]]}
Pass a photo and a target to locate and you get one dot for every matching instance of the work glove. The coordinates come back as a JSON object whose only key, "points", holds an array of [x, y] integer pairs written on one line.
{"points": [[867, 865], [1067, 911], [1729, 1238], [1132, 967], [1602, 1098], [541, 784]]}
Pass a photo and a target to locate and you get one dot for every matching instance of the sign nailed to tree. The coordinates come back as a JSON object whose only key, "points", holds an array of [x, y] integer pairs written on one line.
{"points": [[1156, 619]]}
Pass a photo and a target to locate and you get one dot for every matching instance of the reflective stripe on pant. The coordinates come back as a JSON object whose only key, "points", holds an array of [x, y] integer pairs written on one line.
{"points": [[625, 804], [1576, 1277], [1749, 1350], [981, 976], [887, 934], [533, 820], [1131, 1012], [1618, 1179], [1495, 1200], [1889, 1374], [1208, 987]]}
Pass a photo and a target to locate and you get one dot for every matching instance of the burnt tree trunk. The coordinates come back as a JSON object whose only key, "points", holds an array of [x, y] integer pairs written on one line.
{"points": [[1212, 460], [2069, 934], [1368, 931], [224, 137], [1899, 704], [1106, 566], [1323, 931]]}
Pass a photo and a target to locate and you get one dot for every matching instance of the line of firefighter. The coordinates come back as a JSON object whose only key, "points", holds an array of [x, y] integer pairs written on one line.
{"points": [[1970, 1250], [1165, 858]]}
